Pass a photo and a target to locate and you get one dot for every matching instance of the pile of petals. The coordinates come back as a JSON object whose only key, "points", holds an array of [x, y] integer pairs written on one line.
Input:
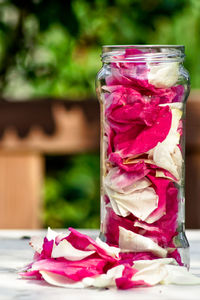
{"points": [[142, 157], [76, 261]]}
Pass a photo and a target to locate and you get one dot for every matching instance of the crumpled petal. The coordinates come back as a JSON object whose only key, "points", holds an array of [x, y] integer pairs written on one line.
{"points": [[143, 139], [120, 181], [75, 270], [163, 75], [105, 280], [147, 227], [37, 243], [60, 280], [129, 271], [126, 280], [85, 243], [167, 154], [161, 186], [130, 241], [180, 275], [141, 203], [139, 168], [112, 251], [66, 250], [152, 271], [129, 196]]}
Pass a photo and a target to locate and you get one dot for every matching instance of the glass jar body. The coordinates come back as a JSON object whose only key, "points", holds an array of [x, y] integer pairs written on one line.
{"points": [[142, 93]]}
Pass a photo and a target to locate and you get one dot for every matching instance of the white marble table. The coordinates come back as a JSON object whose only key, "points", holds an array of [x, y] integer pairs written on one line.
{"points": [[15, 253]]}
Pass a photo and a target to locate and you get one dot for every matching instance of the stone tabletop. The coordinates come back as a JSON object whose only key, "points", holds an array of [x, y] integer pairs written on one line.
{"points": [[15, 253]]}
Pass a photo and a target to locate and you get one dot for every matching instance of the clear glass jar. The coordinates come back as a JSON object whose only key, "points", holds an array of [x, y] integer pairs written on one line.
{"points": [[142, 92]]}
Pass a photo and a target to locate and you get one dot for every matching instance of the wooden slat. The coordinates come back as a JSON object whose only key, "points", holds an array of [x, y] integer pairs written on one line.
{"points": [[21, 176], [76, 130], [193, 120], [193, 190]]}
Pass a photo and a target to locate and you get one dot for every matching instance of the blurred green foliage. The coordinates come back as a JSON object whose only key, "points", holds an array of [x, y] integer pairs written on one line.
{"points": [[72, 191], [52, 49]]}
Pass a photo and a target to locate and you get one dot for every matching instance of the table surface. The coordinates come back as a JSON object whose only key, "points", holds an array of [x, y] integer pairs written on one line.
{"points": [[15, 252]]}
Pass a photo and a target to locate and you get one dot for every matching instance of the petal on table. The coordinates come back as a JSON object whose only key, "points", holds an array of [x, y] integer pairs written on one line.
{"points": [[105, 280], [130, 241], [75, 270], [84, 242], [66, 250], [180, 275], [125, 281], [112, 251], [60, 280], [36, 243], [151, 271]]}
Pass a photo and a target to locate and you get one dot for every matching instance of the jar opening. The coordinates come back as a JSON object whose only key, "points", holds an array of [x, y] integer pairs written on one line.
{"points": [[143, 53]]}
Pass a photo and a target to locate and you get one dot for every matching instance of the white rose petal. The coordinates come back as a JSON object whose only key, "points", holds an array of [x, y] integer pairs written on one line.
{"points": [[59, 280], [152, 271], [180, 275], [141, 203], [163, 75], [142, 264], [112, 251], [130, 241], [66, 250], [130, 197], [146, 226], [105, 280], [51, 234], [36, 243], [121, 182], [167, 154], [165, 160]]}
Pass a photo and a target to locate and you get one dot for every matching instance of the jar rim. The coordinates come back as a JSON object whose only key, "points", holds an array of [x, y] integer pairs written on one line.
{"points": [[144, 46], [149, 53]]}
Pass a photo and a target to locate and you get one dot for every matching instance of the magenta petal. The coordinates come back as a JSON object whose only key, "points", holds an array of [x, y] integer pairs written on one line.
{"points": [[130, 257], [124, 284], [76, 270], [132, 51], [137, 113], [161, 186], [125, 281], [47, 248], [134, 142], [140, 169], [179, 91], [113, 221], [84, 242], [168, 222], [176, 255]]}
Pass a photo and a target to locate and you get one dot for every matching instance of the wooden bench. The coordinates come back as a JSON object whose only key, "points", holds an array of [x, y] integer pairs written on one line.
{"points": [[30, 130]]}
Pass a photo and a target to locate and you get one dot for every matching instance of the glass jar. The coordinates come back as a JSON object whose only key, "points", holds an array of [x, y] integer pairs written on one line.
{"points": [[142, 92]]}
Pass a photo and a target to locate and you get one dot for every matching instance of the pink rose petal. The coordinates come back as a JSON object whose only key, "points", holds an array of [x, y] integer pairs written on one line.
{"points": [[84, 242], [75, 270]]}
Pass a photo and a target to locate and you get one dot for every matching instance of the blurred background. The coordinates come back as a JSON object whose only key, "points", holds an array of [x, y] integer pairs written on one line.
{"points": [[49, 57]]}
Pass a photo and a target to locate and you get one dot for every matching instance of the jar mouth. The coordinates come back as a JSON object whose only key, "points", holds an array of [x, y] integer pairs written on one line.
{"points": [[143, 53]]}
